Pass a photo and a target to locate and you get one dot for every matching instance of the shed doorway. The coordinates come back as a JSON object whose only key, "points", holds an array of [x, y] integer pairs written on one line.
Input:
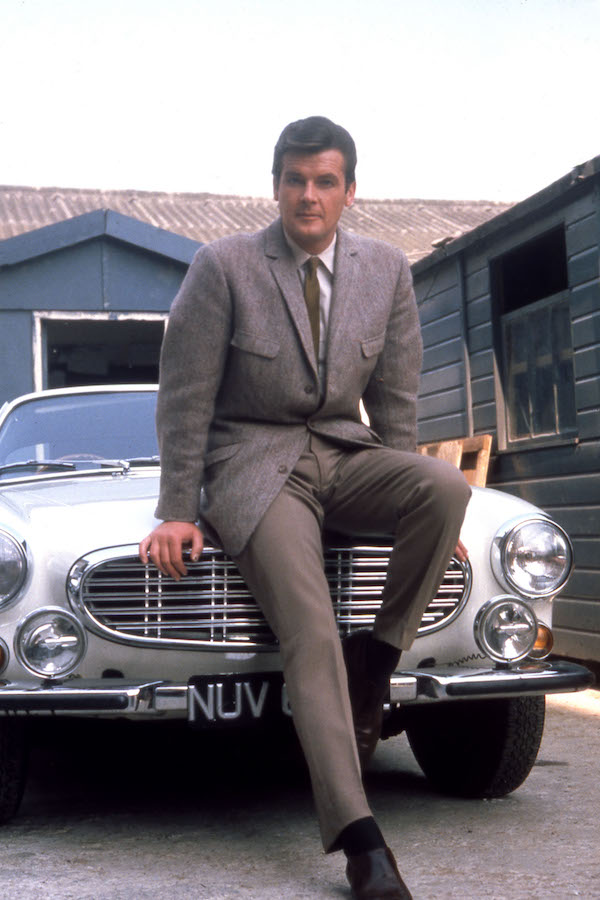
{"points": [[85, 351]]}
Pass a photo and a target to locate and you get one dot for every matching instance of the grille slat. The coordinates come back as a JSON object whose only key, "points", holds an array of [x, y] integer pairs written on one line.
{"points": [[213, 608]]}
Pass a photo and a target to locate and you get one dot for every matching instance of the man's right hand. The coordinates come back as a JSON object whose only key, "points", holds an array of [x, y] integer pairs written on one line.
{"points": [[164, 546]]}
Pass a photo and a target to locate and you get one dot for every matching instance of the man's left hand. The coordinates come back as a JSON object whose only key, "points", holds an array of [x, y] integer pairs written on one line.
{"points": [[461, 552]]}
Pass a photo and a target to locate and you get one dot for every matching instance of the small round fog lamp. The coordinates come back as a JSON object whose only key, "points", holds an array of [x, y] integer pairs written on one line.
{"points": [[506, 629], [50, 642]]}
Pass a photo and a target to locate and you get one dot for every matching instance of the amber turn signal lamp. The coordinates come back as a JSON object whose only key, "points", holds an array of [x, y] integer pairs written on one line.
{"points": [[543, 643]]}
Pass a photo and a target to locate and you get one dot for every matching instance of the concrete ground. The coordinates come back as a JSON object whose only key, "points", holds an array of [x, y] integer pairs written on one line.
{"points": [[122, 812]]}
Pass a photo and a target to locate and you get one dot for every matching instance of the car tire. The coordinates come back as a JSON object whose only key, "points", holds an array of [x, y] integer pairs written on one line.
{"points": [[13, 766], [482, 748]]}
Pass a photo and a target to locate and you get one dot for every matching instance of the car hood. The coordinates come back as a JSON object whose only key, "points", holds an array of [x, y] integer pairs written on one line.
{"points": [[100, 509], [80, 510]]}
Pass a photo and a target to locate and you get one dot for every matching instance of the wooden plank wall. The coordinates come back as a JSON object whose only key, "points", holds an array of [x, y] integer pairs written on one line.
{"points": [[443, 404]]}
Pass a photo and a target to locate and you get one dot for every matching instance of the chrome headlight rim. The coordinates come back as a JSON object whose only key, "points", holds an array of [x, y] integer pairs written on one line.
{"points": [[21, 635], [482, 620], [500, 545], [4, 655], [20, 546]]}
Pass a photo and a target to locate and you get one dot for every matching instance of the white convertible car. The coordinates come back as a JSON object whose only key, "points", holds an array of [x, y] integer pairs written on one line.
{"points": [[87, 630]]}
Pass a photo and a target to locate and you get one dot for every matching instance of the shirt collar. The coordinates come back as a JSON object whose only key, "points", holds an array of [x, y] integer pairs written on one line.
{"points": [[300, 256]]}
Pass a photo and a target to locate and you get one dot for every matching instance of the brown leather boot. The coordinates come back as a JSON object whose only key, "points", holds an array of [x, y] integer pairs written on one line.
{"points": [[366, 696]]}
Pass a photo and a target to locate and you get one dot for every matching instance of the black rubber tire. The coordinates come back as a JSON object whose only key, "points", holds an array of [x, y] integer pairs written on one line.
{"points": [[13, 766], [481, 748]]}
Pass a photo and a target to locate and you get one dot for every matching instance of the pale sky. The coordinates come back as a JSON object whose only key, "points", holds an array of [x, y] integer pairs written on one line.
{"points": [[447, 99]]}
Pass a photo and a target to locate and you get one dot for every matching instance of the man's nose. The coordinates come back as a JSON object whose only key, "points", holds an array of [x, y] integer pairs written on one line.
{"points": [[309, 192]]}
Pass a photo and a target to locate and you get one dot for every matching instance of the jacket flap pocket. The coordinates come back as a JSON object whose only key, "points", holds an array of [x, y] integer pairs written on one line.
{"points": [[254, 343], [220, 453], [372, 346]]}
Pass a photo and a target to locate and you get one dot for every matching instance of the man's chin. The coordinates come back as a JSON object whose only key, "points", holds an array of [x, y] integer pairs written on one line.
{"points": [[311, 231]]}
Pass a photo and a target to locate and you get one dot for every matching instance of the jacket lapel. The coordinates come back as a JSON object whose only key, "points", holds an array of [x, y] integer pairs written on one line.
{"points": [[285, 273], [345, 305]]}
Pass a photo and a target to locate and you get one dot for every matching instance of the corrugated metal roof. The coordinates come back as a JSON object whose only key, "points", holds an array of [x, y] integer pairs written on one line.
{"points": [[416, 226]]}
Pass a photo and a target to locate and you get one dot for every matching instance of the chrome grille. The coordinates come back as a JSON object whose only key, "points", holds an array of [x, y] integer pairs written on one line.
{"points": [[212, 607]]}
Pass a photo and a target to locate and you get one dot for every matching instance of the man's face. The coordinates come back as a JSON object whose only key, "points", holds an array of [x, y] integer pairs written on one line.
{"points": [[312, 194]]}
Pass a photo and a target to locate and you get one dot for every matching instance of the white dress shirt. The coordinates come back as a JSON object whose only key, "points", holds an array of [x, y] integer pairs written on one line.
{"points": [[325, 276]]}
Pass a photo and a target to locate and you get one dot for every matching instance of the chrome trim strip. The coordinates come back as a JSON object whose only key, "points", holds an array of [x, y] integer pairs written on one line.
{"points": [[120, 697], [81, 696], [449, 683]]}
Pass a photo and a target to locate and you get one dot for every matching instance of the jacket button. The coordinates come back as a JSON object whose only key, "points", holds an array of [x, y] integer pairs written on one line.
{"points": [[282, 469], [309, 389]]}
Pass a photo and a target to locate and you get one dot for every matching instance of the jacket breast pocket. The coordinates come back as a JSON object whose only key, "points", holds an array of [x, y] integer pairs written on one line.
{"points": [[255, 344], [372, 346]]}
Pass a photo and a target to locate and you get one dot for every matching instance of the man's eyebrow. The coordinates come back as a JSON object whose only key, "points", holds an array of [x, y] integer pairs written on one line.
{"points": [[298, 174]]}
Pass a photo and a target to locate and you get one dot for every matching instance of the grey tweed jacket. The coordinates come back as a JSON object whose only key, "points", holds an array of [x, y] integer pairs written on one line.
{"points": [[239, 390]]}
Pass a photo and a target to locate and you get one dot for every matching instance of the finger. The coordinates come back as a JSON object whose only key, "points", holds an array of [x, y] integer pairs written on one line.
{"points": [[176, 566], [461, 552], [159, 553], [197, 544], [143, 549]]}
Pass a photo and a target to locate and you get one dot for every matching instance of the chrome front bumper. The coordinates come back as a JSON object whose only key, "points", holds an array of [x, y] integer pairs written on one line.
{"points": [[118, 697]]}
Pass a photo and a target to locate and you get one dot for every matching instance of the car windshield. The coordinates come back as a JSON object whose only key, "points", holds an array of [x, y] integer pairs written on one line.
{"points": [[80, 429]]}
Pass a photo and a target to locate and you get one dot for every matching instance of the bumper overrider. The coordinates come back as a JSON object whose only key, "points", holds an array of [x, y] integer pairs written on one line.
{"points": [[217, 699]]}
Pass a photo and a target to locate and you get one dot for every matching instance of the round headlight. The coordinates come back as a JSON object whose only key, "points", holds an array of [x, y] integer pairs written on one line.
{"points": [[50, 642], [506, 629], [536, 557], [13, 567]]}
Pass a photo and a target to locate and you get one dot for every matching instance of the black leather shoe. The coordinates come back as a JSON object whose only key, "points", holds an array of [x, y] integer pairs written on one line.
{"points": [[366, 696], [374, 876]]}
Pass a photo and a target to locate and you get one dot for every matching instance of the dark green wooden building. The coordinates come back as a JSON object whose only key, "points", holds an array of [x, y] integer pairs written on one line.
{"points": [[511, 324]]}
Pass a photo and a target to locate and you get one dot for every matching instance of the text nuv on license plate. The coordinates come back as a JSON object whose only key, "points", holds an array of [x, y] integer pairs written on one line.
{"points": [[218, 700]]}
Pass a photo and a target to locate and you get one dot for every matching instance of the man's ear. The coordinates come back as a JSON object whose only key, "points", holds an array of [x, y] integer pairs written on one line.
{"points": [[275, 187], [349, 194]]}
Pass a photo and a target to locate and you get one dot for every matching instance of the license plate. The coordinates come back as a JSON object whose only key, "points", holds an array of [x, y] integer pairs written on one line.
{"points": [[234, 700]]}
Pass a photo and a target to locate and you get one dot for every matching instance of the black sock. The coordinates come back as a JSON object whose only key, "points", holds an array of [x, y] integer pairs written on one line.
{"points": [[360, 837], [382, 659]]}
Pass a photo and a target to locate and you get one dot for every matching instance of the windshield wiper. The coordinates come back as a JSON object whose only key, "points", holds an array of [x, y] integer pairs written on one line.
{"points": [[123, 464], [143, 460], [38, 464]]}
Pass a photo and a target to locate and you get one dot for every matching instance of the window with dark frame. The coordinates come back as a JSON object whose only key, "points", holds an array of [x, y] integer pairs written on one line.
{"points": [[531, 299], [87, 351]]}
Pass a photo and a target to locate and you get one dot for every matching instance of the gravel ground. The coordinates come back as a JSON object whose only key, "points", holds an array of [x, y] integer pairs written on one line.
{"points": [[133, 812]]}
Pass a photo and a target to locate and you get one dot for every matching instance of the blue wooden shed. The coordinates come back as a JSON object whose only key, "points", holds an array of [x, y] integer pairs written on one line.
{"points": [[85, 301]]}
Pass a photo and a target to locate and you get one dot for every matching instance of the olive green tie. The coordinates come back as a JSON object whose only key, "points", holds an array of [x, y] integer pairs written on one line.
{"points": [[311, 297]]}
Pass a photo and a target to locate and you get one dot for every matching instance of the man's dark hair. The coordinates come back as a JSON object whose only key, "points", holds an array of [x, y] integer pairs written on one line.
{"points": [[313, 135]]}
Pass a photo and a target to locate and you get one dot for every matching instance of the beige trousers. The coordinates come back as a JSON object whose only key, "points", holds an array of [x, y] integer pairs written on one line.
{"points": [[419, 500]]}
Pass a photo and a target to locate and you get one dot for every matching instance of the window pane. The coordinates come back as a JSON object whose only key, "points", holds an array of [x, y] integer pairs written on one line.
{"points": [[542, 394], [563, 366], [516, 350], [538, 365]]}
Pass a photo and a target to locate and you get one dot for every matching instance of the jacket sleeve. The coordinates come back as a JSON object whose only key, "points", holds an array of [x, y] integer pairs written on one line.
{"points": [[390, 398], [191, 367]]}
